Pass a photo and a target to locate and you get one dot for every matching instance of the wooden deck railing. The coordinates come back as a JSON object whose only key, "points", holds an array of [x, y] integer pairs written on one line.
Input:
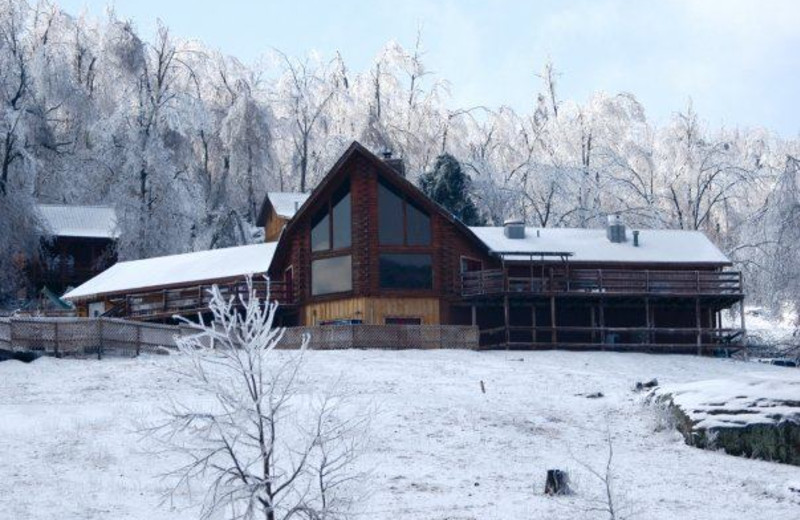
{"points": [[191, 300], [604, 281], [657, 338]]}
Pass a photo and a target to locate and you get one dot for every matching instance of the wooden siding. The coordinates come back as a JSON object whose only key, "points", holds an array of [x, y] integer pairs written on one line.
{"points": [[447, 246], [273, 226], [373, 311], [446, 303], [71, 261]]}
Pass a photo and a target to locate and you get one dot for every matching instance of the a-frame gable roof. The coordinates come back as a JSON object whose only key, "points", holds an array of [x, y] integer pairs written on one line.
{"points": [[387, 173]]}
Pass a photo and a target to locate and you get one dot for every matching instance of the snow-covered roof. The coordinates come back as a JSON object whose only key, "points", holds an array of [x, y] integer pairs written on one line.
{"points": [[591, 245], [287, 203], [79, 221], [172, 270]]}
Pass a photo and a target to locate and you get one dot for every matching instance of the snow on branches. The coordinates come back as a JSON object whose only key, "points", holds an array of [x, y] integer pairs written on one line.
{"points": [[254, 437]]}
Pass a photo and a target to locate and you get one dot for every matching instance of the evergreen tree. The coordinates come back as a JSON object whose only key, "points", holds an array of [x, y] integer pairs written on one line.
{"points": [[449, 186]]}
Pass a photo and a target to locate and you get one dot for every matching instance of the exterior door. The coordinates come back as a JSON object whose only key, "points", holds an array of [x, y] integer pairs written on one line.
{"points": [[97, 309]]}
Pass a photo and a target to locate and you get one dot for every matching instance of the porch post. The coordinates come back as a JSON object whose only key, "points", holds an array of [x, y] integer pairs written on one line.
{"points": [[506, 317], [741, 318], [533, 324], [699, 326], [554, 335], [712, 325], [602, 316]]}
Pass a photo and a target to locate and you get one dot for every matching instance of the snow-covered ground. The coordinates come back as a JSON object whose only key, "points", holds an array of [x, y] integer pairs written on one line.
{"points": [[764, 327], [441, 449]]}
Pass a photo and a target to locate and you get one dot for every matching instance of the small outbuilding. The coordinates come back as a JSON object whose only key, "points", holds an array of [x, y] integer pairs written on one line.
{"points": [[158, 288], [80, 243]]}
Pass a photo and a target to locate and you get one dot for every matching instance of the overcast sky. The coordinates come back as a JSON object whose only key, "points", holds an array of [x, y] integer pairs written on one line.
{"points": [[738, 60]]}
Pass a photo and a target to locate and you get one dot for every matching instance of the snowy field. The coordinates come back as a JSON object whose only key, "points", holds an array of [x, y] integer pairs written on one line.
{"points": [[440, 448]]}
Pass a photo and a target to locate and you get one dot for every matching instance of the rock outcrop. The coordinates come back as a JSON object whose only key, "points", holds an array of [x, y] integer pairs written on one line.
{"points": [[751, 417]]}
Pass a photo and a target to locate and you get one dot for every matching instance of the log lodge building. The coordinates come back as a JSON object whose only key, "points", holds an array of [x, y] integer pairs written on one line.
{"points": [[367, 247]]}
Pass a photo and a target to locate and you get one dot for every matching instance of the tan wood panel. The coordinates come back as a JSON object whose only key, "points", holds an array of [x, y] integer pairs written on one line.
{"points": [[373, 311], [273, 227]]}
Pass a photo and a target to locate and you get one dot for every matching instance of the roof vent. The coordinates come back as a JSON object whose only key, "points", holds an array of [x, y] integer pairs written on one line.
{"points": [[615, 231], [514, 228]]}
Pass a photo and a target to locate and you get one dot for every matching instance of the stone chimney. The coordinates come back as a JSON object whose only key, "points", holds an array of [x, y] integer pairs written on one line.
{"points": [[396, 164]]}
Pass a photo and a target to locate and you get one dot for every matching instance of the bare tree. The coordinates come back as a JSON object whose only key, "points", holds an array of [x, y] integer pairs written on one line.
{"points": [[609, 503], [307, 96], [261, 447]]}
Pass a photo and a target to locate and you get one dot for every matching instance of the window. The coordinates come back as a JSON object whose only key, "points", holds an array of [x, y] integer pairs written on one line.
{"points": [[332, 275], [469, 265], [341, 222], [320, 232], [418, 227], [390, 216], [331, 227], [404, 271], [399, 221], [343, 321], [397, 320]]}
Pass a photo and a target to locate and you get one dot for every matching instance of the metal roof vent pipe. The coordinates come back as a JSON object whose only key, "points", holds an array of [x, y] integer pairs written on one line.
{"points": [[636, 238], [514, 228], [615, 231]]}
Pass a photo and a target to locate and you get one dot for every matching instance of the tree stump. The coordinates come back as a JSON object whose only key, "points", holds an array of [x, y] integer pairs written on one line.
{"points": [[646, 385], [557, 482]]}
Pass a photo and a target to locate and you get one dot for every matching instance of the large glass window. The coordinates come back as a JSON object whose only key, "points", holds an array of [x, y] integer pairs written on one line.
{"points": [[341, 222], [399, 221], [332, 275], [331, 227], [390, 216], [320, 232], [418, 227], [405, 271]]}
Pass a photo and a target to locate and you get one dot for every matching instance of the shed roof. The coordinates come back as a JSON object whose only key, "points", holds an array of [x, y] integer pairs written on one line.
{"points": [[79, 221], [174, 270], [656, 246]]}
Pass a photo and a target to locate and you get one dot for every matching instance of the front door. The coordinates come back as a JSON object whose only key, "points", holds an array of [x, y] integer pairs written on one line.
{"points": [[97, 309]]}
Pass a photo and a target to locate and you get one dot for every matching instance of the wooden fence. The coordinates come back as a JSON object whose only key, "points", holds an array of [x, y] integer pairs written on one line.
{"points": [[95, 336], [392, 337], [86, 336]]}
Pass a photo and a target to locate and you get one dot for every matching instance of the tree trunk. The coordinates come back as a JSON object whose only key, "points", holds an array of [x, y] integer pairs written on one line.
{"points": [[303, 164], [557, 482]]}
